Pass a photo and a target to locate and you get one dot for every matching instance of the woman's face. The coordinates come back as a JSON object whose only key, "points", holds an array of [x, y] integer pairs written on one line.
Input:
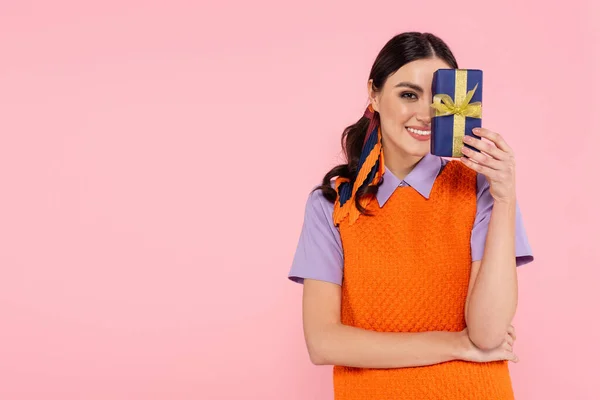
{"points": [[404, 106]]}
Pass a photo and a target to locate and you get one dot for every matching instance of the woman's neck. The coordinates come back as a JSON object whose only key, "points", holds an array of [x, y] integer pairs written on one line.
{"points": [[401, 164]]}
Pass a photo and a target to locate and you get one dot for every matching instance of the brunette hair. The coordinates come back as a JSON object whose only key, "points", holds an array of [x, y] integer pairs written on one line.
{"points": [[398, 51]]}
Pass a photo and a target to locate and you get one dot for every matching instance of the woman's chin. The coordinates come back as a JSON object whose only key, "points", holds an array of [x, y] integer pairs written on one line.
{"points": [[415, 151], [419, 148], [410, 147]]}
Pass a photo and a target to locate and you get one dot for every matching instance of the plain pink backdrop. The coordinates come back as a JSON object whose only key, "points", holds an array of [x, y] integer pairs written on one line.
{"points": [[155, 160]]}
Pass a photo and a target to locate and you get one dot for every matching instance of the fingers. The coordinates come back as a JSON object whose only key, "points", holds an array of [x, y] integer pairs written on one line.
{"points": [[511, 332], [488, 148], [495, 138], [481, 158], [511, 335], [510, 356], [503, 173], [502, 353], [508, 344], [507, 352], [489, 172], [495, 160]]}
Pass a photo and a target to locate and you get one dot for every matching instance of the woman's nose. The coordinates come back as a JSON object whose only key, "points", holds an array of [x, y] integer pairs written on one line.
{"points": [[425, 112], [425, 118]]}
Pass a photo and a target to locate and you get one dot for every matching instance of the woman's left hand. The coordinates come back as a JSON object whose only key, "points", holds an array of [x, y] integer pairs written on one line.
{"points": [[497, 164]]}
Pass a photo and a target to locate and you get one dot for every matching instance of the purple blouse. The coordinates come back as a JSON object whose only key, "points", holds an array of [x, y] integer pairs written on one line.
{"points": [[319, 252]]}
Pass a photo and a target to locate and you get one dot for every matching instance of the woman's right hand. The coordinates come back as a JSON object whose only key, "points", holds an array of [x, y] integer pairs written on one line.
{"points": [[472, 353]]}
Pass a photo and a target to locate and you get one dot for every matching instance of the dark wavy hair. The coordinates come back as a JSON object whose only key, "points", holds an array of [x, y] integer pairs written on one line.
{"points": [[398, 51]]}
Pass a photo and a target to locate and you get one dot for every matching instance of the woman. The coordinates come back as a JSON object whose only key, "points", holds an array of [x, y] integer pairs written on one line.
{"points": [[418, 302]]}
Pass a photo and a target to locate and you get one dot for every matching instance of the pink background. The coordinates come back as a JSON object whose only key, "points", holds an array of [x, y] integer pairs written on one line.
{"points": [[155, 161]]}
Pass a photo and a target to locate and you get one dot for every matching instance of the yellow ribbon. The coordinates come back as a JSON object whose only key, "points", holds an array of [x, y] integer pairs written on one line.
{"points": [[460, 107], [444, 105]]}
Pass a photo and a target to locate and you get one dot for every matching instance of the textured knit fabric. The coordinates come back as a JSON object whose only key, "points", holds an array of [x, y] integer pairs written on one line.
{"points": [[319, 253], [406, 269]]}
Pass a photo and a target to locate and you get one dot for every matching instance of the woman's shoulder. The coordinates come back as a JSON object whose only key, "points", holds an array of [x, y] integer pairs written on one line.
{"points": [[318, 210], [316, 196]]}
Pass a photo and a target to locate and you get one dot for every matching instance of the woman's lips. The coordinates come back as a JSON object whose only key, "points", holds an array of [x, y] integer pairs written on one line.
{"points": [[421, 137]]}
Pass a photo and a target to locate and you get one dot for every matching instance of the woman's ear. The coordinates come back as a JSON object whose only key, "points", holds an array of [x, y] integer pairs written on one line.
{"points": [[373, 95]]}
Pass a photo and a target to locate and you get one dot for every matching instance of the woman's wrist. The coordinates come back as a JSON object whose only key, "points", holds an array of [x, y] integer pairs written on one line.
{"points": [[460, 344]]}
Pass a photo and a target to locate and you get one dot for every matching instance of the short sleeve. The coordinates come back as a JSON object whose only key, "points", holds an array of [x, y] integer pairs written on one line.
{"points": [[319, 251], [485, 203]]}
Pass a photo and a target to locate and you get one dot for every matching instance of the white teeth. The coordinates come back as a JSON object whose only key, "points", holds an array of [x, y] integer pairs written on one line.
{"points": [[418, 132]]}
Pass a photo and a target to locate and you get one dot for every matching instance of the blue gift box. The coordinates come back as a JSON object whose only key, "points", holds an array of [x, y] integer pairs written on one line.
{"points": [[457, 103]]}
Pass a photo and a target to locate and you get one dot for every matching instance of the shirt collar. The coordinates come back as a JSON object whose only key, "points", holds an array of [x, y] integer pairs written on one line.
{"points": [[421, 178]]}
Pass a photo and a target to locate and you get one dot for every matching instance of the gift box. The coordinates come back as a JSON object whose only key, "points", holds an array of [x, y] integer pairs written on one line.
{"points": [[457, 103]]}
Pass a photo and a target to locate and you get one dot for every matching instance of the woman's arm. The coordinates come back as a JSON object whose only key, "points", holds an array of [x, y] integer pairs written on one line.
{"points": [[330, 342], [492, 301], [492, 298]]}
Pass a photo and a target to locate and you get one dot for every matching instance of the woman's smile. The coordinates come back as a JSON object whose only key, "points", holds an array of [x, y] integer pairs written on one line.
{"points": [[419, 133]]}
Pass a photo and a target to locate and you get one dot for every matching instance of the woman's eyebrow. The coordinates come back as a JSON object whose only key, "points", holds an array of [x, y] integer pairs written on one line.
{"points": [[410, 85]]}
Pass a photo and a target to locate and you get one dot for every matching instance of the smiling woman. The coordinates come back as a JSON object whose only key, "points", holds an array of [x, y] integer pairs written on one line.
{"points": [[402, 99], [429, 247]]}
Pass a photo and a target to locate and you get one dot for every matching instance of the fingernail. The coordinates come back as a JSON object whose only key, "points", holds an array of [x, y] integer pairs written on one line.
{"points": [[476, 130], [467, 138]]}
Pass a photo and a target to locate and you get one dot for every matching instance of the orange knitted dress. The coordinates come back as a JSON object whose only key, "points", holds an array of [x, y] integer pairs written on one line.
{"points": [[406, 269]]}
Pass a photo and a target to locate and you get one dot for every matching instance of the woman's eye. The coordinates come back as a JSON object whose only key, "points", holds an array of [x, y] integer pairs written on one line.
{"points": [[406, 95]]}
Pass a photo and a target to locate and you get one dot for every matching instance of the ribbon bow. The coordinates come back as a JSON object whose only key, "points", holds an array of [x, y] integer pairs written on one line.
{"points": [[444, 105]]}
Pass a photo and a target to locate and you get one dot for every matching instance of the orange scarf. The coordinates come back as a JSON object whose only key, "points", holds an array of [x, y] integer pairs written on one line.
{"points": [[370, 172]]}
